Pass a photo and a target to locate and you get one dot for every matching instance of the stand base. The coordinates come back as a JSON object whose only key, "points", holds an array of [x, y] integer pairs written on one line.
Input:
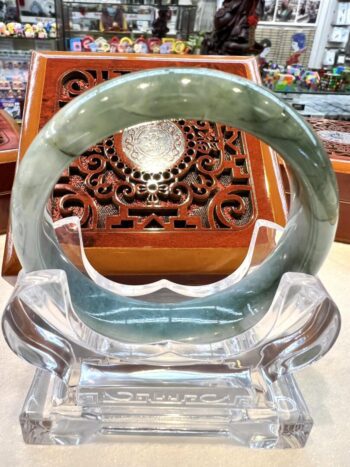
{"points": [[132, 400]]}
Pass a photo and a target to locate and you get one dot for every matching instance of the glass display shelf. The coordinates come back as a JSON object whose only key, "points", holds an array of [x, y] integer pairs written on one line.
{"points": [[324, 93], [127, 17], [27, 39], [14, 65]]}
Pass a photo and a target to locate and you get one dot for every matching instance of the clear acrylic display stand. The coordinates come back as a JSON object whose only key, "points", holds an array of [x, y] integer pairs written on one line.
{"points": [[88, 387]]}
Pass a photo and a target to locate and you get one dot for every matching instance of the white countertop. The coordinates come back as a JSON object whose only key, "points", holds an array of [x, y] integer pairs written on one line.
{"points": [[325, 387]]}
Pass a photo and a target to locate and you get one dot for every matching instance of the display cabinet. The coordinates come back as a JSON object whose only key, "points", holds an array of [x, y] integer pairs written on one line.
{"points": [[127, 18], [13, 81], [25, 26]]}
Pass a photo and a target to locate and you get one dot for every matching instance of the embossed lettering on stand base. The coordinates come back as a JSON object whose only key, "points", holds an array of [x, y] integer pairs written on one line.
{"points": [[275, 417]]}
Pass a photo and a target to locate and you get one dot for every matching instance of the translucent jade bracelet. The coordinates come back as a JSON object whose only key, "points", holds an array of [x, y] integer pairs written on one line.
{"points": [[199, 94]]}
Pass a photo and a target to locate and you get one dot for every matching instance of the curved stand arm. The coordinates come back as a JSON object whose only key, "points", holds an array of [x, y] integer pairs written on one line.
{"points": [[40, 326]]}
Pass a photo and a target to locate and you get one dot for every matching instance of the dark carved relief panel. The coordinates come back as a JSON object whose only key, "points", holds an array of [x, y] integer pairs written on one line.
{"points": [[3, 139], [166, 175]]}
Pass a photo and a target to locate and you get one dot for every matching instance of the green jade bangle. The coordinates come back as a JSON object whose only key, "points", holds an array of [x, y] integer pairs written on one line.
{"points": [[199, 94]]}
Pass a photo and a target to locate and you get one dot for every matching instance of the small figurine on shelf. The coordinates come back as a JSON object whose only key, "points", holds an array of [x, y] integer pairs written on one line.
{"points": [[271, 75], [107, 19], [11, 29], [285, 83], [29, 31], [167, 46], [35, 29], [50, 27], [339, 70], [5, 86], [3, 30], [180, 47], [114, 42], [154, 44], [266, 44], [86, 43], [234, 29], [93, 47], [112, 18], [125, 45], [41, 31], [47, 26], [102, 45], [19, 32], [18, 84], [311, 80], [298, 72], [140, 46], [194, 43], [160, 28], [75, 44], [295, 70], [53, 31]]}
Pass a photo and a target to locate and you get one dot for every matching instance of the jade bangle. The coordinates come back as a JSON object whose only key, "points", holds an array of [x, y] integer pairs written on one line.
{"points": [[160, 94]]}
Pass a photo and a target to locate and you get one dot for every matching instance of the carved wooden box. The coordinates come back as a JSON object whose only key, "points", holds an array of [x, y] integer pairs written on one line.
{"points": [[335, 136], [172, 198], [9, 139]]}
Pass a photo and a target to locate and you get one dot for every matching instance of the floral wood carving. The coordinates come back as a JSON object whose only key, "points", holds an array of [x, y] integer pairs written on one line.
{"points": [[201, 182], [9, 133], [335, 136], [3, 138]]}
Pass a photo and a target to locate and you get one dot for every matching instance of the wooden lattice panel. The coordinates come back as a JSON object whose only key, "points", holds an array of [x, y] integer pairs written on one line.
{"points": [[207, 187], [335, 136]]}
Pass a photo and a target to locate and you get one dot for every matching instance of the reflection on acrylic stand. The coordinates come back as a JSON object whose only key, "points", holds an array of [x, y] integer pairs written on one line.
{"points": [[89, 387], [262, 243]]}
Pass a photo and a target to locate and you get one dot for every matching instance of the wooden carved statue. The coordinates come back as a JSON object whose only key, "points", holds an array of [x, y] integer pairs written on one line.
{"points": [[234, 29], [159, 26]]}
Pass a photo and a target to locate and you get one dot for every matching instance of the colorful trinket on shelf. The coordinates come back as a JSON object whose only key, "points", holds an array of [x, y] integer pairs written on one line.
{"points": [[125, 45], [19, 30], [311, 79], [11, 29], [285, 83], [167, 46], [3, 30], [29, 31], [35, 29], [339, 70], [75, 45], [180, 47], [194, 43], [114, 42], [41, 31], [86, 43], [154, 44], [102, 45], [51, 29], [295, 70], [141, 46]]}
